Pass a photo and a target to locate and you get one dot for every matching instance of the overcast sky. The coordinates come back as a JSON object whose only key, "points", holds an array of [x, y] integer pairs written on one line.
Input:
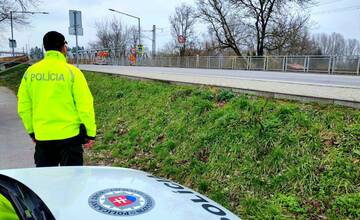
{"points": [[342, 16]]}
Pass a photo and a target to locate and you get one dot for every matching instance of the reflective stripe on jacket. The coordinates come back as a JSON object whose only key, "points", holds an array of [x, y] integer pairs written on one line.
{"points": [[54, 99]]}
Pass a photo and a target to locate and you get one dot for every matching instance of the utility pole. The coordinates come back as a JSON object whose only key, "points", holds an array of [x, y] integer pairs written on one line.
{"points": [[154, 41], [76, 39], [139, 31], [12, 34], [12, 26]]}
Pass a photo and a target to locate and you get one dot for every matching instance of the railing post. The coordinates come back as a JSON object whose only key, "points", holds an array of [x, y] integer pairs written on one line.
{"points": [[208, 62], [330, 63], [334, 65], [197, 61], [358, 66], [305, 58], [308, 64], [266, 62], [249, 63], [286, 63], [234, 60], [283, 64], [219, 62]]}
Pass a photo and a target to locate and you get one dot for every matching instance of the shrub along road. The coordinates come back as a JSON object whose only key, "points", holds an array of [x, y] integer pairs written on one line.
{"points": [[261, 158]]}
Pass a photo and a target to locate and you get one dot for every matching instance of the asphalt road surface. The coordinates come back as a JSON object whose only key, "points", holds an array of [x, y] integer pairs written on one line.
{"points": [[288, 77], [16, 148], [323, 86]]}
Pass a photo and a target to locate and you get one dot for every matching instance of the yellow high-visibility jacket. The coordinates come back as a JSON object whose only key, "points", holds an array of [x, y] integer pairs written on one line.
{"points": [[7, 211], [54, 99]]}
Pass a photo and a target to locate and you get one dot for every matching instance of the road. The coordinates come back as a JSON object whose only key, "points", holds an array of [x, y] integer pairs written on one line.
{"points": [[287, 77], [16, 148], [321, 86]]}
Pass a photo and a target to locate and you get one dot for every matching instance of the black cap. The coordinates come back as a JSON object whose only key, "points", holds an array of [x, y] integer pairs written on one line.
{"points": [[53, 41]]}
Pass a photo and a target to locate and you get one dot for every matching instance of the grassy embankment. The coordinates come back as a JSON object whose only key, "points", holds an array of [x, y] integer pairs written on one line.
{"points": [[261, 158]]}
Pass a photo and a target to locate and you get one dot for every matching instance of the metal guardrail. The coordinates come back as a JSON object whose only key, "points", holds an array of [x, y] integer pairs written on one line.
{"points": [[349, 65], [13, 61]]}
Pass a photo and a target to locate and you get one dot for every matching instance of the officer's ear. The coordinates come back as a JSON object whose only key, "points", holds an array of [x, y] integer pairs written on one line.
{"points": [[64, 50]]}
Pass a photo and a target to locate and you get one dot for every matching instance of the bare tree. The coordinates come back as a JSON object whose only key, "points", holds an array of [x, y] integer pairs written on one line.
{"points": [[352, 47], [15, 5], [330, 44], [168, 50], [336, 44], [225, 23], [103, 34], [118, 36], [182, 23], [113, 34], [289, 35], [263, 14], [133, 36], [209, 45]]}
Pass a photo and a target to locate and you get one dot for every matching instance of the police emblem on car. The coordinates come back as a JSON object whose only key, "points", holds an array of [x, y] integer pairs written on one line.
{"points": [[121, 202]]}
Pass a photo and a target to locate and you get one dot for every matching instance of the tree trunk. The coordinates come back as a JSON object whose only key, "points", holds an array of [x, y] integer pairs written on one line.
{"points": [[237, 51]]}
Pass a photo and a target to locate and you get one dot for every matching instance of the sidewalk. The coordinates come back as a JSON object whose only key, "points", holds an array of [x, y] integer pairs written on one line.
{"points": [[16, 148], [307, 92]]}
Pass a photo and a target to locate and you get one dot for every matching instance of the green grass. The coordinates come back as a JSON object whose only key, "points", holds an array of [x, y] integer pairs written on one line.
{"points": [[260, 158], [12, 77]]}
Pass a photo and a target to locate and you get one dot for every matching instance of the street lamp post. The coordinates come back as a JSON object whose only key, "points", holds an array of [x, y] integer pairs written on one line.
{"points": [[12, 26], [113, 10], [12, 35]]}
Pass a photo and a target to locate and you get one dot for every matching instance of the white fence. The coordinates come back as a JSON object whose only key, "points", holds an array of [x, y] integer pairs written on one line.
{"points": [[315, 64]]}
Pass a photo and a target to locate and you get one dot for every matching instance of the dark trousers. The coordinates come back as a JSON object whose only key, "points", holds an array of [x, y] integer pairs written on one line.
{"points": [[67, 152]]}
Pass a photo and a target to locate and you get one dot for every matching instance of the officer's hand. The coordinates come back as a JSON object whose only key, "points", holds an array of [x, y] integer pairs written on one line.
{"points": [[89, 144], [32, 136]]}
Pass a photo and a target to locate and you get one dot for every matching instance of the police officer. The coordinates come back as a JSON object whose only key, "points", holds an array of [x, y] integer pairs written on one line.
{"points": [[56, 107]]}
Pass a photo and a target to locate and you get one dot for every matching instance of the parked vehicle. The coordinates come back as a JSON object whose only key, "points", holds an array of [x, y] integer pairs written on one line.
{"points": [[102, 193]]}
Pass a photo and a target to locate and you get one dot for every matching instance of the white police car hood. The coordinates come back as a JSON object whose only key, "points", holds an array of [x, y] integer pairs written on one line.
{"points": [[103, 193]]}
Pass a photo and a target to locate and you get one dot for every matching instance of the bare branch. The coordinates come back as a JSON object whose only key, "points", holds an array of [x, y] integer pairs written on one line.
{"points": [[16, 5], [112, 33], [182, 23], [264, 15], [224, 23]]}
